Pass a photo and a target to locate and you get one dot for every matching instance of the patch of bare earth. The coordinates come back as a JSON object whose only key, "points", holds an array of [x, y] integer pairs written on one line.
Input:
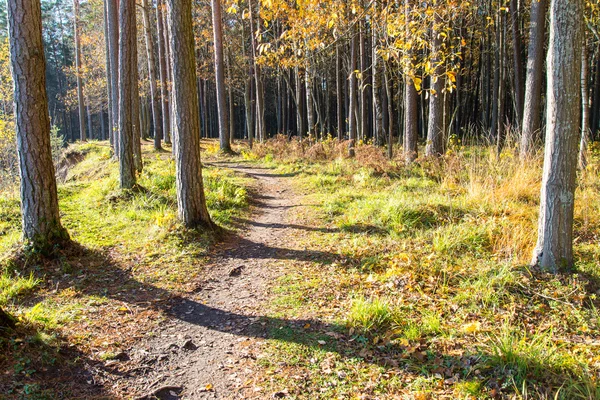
{"points": [[207, 346]]}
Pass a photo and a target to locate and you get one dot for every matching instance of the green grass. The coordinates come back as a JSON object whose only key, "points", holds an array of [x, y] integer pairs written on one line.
{"points": [[431, 282], [131, 255], [12, 286], [370, 316]]}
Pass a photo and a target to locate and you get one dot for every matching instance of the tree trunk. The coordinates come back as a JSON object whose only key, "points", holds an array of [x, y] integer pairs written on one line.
{"points": [[108, 69], [248, 92], [352, 109], [410, 103], [112, 17], [224, 140], [39, 199], [78, 72], [389, 90], [533, 85], [585, 104], [260, 112], [310, 105], [500, 131], [378, 135], [497, 82], [339, 94], [169, 81], [127, 80], [435, 127], [191, 202], [300, 105], [517, 58], [554, 249], [152, 76], [164, 82], [231, 133], [362, 87]]}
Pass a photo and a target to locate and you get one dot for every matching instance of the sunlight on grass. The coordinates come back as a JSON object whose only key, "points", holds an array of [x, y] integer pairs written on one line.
{"points": [[431, 266]]}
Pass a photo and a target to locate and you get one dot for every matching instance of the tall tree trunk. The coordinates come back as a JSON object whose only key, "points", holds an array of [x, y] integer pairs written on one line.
{"points": [[231, 132], [554, 249], [224, 140], [389, 90], [435, 127], [248, 91], [164, 82], [339, 92], [112, 17], [108, 69], [248, 110], [127, 80], [410, 103], [585, 105], [39, 199], [300, 105], [352, 109], [362, 87], [376, 90], [169, 81], [152, 75], [595, 117], [500, 132], [496, 118], [310, 105], [533, 85], [260, 112], [191, 202], [517, 58], [78, 72]]}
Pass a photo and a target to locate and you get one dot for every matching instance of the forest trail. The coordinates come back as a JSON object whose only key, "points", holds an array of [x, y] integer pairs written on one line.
{"points": [[202, 350]]}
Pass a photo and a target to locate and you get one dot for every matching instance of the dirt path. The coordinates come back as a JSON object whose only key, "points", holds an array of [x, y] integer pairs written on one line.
{"points": [[204, 353]]}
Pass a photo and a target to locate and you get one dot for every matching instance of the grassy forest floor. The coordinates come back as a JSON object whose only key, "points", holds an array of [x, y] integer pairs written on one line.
{"points": [[389, 282]]}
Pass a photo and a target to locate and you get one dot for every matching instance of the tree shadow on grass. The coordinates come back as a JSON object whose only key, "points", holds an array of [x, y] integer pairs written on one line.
{"points": [[96, 274], [38, 364]]}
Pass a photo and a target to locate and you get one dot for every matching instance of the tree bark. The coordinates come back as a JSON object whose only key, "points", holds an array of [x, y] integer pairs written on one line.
{"points": [[517, 58], [260, 112], [108, 77], [112, 17], [378, 133], [554, 249], [248, 92], [435, 127], [362, 87], [352, 109], [410, 104], [128, 117], [231, 132], [152, 76], [164, 82], [301, 129], [310, 105], [39, 199], [585, 105], [339, 92], [533, 84], [169, 80], [224, 140], [191, 202], [80, 96]]}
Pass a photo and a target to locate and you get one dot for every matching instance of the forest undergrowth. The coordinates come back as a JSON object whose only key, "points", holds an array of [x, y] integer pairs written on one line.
{"points": [[431, 295], [113, 285], [426, 292]]}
